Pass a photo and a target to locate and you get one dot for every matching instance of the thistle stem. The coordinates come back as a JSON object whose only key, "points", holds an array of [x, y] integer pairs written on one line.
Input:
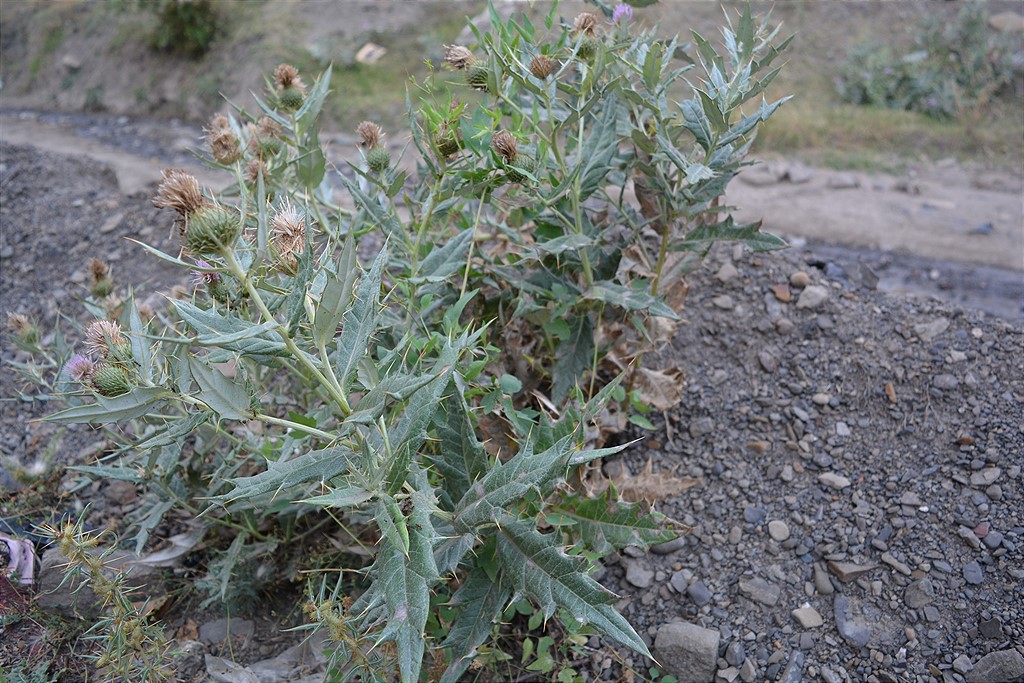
{"points": [[288, 424]]}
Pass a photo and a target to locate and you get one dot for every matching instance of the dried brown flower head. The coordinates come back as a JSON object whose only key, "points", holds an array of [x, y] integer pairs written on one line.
{"points": [[218, 123], [17, 323], [458, 57], [98, 270], [103, 335], [254, 169], [178, 190], [504, 143], [372, 134], [542, 66], [267, 127], [585, 22], [222, 140], [287, 76], [288, 233]]}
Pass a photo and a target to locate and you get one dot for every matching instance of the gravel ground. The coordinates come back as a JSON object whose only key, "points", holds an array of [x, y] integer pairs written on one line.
{"points": [[859, 455]]}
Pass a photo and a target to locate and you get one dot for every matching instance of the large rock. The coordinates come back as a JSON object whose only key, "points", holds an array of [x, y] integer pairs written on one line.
{"points": [[688, 652], [1005, 665]]}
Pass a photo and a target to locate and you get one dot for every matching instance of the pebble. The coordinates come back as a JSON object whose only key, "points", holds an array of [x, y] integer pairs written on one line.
{"points": [[962, 664], [735, 654], [821, 581], [930, 330], [688, 651], [902, 568], [973, 573], [638, 574], [970, 537], [699, 593], [759, 590], [218, 630], [724, 302], [808, 617], [748, 672], [848, 571], [985, 477], [852, 631], [919, 593], [833, 480], [800, 279], [669, 547], [821, 399], [842, 429], [996, 667], [812, 297], [778, 530], [754, 515], [795, 669], [945, 381], [726, 272]]}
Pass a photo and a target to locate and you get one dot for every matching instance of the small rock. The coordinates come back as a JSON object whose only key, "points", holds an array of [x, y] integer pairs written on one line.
{"points": [[929, 331], [985, 477], [852, 631], [973, 573], [808, 617], [778, 530], [843, 181], [702, 426], [669, 547], [726, 272], [735, 654], [728, 674], [919, 593], [768, 362], [1007, 22], [842, 429], [945, 381], [688, 651], [902, 568], [821, 399], [71, 62], [991, 629], [754, 515], [111, 223], [821, 581], [679, 582], [759, 590], [795, 669], [800, 279], [969, 537], [1004, 665], [699, 593], [812, 297], [724, 302], [848, 571], [638, 575], [833, 480], [748, 672], [219, 630], [962, 664], [782, 293]]}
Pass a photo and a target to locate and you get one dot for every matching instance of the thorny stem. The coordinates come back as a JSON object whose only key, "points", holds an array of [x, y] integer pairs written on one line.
{"points": [[288, 424], [332, 388], [472, 243]]}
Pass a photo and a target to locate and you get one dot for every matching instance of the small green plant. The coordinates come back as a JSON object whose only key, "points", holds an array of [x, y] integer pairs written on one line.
{"points": [[957, 68], [186, 27], [435, 406], [23, 674]]}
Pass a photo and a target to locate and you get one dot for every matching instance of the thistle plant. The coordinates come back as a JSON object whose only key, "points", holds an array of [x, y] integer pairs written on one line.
{"points": [[537, 251]]}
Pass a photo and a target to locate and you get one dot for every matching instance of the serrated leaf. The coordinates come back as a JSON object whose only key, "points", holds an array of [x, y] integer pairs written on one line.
{"points": [[337, 294], [441, 262], [226, 398], [405, 580], [128, 406], [461, 458], [484, 501], [140, 349], [479, 602], [315, 466], [452, 547], [606, 524], [359, 322], [695, 121], [598, 151], [537, 566], [209, 324], [571, 242], [573, 357], [629, 298], [341, 497], [652, 66], [310, 108], [701, 239]]}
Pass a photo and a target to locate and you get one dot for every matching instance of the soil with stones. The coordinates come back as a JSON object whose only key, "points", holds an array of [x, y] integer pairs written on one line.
{"points": [[859, 512]]}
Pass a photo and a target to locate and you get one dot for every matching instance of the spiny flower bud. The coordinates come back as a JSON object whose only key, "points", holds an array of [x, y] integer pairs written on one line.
{"points": [[586, 24], [291, 91], [102, 337], [212, 229], [504, 143], [265, 137], [477, 75], [216, 286], [378, 159], [222, 141], [288, 236], [542, 66], [99, 275], [110, 381], [520, 161], [254, 169], [21, 326], [372, 135], [458, 57], [80, 368], [448, 139], [178, 190]]}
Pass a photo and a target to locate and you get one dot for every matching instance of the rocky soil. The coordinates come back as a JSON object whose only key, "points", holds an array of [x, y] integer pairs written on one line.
{"points": [[859, 515]]}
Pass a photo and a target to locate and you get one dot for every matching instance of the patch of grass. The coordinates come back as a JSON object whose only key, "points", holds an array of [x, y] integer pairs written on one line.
{"points": [[53, 36]]}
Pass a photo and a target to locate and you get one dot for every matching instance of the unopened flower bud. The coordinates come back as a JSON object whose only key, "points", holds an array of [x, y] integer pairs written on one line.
{"points": [[21, 326], [378, 159], [110, 381], [478, 75], [291, 91], [520, 161], [100, 284], [254, 169], [585, 22], [458, 57], [448, 139], [542, 66], [212, 229]]}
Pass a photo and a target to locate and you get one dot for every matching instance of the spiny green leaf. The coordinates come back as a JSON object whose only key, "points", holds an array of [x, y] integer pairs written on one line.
{"points": [[337, 294], [341, 497], [359, 322], [701, 239], [606, 524], [210, 324], [461, 458], [315, 466], [574, 356], [536, 566], [134, 404], [480, 602], [225, 397]]}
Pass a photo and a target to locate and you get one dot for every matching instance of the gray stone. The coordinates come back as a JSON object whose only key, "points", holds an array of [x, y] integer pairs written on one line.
{"points": [[778, 530], [795, 669], [688, 651], [969, 537], [991, 629], [1005, 665], [219, 630], [945, 381], [748, 672], [728, 674], [669, 547], [735, 654], [724, 302], [1007, 22], [929, 331], [833, 480], [702, 426], [848, 571], [812, 297], [985, 477], [726, 272], [679, 582], [822, 584], [699, 593], [852, 631], [759, 590], [754, 515], [919, 593], [931, 613], [962, 664], [888, 559], [992, 540], [843, 181], [808, 617], [638, 575], [973, 573]]}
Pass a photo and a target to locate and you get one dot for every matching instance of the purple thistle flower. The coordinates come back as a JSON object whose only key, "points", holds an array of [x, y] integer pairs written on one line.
{"points": [[622, 14], [200, 277], [80, 368]]}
